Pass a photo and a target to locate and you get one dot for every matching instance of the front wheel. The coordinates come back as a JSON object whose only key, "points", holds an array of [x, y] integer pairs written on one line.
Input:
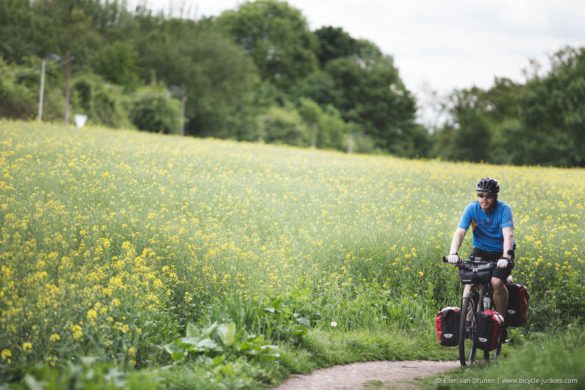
{"points": [[467, 330]]}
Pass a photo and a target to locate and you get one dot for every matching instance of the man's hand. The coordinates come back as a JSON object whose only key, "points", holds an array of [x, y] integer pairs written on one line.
{"points": [[503, 263], [453, 259]]}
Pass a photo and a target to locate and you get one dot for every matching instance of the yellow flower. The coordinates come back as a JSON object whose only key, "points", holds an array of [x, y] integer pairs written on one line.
{"points": [[26, 346], [77, 332], [52, 360], [55, 337], [91, 315], [6, 355]]}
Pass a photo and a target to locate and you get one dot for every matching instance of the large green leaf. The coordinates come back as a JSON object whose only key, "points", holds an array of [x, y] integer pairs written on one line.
{"points": [[192, 330], [227, 333]]}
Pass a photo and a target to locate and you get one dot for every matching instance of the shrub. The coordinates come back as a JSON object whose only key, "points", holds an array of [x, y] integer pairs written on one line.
{"points": [[284, 126], [156, 111], [102, 102], [16, 100]]}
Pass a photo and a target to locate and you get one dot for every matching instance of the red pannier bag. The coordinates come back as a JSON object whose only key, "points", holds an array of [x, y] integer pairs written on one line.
{"points": [[489, 326], [517, 313], [447, 324]]}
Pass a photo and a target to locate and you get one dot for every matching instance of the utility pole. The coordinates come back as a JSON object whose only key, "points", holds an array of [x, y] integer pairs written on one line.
{"points": [[183, 104], [42, 91], [351, 142], [67, 89]]}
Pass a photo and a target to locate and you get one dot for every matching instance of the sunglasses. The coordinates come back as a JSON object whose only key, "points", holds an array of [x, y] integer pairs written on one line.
{"points": [[486, 196]]}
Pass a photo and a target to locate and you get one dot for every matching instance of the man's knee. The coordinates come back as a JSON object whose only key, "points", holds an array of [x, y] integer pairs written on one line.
{"points": [[498, 284]]}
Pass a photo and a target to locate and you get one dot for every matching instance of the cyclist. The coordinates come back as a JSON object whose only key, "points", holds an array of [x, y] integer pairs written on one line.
{"points": [[493, 236]]}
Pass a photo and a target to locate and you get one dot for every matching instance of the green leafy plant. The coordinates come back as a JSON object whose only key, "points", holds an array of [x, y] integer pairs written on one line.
{"points": [[222, 342]]}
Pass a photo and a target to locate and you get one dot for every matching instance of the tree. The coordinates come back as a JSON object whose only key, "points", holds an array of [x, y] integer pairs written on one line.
{"points": [[218, 76], [467, 136], [552, 112], [373, 96], [334, 43], [118, 63], [16, 100], [277, 38]]}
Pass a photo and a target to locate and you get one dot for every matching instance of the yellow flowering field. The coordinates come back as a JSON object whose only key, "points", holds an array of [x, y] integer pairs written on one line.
{"points": [[111, 241]]}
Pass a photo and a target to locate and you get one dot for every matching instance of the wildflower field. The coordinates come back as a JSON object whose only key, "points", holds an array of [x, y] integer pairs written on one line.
{"points": [[128, 252]]}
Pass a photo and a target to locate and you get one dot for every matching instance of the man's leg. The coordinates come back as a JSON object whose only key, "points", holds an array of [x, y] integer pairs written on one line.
{"points": [[500, 296]]}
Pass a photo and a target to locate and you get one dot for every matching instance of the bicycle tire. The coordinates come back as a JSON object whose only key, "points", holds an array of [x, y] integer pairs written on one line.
{"points": [[467, 347]]}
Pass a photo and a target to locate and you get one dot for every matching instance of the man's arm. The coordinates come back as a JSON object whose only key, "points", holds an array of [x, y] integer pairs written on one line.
{"points": [[457, 240], [508, 233]]}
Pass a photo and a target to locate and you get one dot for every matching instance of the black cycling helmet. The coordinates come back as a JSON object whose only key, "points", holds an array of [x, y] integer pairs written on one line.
{"points": [[488, 185]]}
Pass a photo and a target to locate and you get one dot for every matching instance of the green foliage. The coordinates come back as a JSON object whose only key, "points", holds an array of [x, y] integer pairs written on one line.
{"points": [[276, 37], [154, 110], [220, 81], [326, 127], [280, 319], [83, 373], [552, 115], [221, 342], [232, 69], [282, 125], [536, 123], [118, 64], [17, 101], [372, 95], [104, 103], [334, 43]]}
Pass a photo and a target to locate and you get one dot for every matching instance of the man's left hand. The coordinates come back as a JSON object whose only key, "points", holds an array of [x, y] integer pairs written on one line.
{"points": [[503, 263]]}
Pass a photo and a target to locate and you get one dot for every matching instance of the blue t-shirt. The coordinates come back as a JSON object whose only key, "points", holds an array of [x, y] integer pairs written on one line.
{"points": [[487, 227]]}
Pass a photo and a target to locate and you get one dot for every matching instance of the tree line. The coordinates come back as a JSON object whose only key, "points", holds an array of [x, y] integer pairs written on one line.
{"points": [[258, 73]]}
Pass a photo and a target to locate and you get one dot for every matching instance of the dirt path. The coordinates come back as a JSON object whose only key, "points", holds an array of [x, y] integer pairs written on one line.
{"points": [[368, 375]]}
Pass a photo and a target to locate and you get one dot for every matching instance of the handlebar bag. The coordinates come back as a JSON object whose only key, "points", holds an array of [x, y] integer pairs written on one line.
{"points": [[447, 324], [472, 273], [489, 325], [517, 312]]}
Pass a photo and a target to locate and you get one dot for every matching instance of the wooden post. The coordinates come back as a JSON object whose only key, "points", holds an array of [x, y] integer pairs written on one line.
{"points": [[42, 91]]}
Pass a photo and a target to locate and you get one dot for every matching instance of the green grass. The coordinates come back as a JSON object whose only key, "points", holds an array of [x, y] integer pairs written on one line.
{"points": [[553, 360], [112, 242]]}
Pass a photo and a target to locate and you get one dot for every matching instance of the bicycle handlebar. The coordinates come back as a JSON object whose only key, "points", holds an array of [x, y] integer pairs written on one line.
{"points": [[471, 260], [478, 260]]}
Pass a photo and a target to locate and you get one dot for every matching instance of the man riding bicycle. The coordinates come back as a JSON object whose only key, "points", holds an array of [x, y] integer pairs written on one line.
{"points": [[493, 236]]}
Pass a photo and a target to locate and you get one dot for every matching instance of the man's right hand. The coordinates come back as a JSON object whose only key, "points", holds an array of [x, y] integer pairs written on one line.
{"points": [[453, 259]]}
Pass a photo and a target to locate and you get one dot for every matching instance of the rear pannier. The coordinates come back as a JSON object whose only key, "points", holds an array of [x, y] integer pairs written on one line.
{"points": [[489, 325], [517, 313], [447, 324]]}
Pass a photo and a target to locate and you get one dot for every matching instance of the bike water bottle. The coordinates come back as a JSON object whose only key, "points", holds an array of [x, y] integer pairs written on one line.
{"points": [[486, 302]]}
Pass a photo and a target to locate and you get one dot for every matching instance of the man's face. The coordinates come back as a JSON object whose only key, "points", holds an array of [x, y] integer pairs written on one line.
{"points": [[486, 199]]}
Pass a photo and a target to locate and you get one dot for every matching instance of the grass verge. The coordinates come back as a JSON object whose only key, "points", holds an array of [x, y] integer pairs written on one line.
{"points": [[553, 361]]}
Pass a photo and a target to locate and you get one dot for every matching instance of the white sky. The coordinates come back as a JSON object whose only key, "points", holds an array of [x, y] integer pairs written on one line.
{"points": [[439, 44]]}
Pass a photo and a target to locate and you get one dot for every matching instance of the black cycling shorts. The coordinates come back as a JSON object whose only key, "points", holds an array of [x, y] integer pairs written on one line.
{"points": [[500, 273]]}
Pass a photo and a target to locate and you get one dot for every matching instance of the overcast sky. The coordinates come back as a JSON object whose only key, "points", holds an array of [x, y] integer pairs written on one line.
{"points": [[440, 44]]}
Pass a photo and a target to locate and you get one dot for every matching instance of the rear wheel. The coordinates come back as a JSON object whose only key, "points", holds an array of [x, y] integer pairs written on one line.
{"points": [[468, 329]]}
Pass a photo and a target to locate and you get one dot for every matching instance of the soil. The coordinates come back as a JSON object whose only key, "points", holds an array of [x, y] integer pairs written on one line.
{"points": [[369, 375]]}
